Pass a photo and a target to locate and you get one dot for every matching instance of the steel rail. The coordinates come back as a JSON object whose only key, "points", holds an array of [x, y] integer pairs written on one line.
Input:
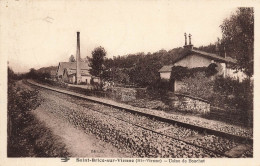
{"points": [[162, 119], [178, 139]]}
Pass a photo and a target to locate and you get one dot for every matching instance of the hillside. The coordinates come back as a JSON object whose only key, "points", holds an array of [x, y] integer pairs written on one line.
{"points": [[47, 69], [140, 69]]}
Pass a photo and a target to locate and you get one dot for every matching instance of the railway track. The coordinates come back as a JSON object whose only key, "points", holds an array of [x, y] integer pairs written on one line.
{"points": [[219, 143]]}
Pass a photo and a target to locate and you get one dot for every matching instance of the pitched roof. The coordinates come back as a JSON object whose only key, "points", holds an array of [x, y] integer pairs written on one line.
{"points": [[71, 65], [166, 69], [178, 57], [214, 56]]}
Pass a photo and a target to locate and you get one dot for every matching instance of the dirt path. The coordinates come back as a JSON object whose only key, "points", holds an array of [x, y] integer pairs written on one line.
{"points": [[78, 143]]}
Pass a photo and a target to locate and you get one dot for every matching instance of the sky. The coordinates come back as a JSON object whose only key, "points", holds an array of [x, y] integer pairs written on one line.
{"points": [[38, 34]]}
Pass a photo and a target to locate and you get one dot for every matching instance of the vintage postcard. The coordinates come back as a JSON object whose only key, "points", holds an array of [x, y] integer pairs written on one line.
{"points": [[129, 82]]}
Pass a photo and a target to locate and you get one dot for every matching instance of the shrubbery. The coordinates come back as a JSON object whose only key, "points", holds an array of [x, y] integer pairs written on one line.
{"points": [[179, 72], [27, 137], [238, 95], [235, 97], [227, 93], [198, 86], [221, 92]]}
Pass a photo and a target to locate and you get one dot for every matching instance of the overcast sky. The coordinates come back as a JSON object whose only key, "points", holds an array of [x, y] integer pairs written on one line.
{"points": [[43, 33]]}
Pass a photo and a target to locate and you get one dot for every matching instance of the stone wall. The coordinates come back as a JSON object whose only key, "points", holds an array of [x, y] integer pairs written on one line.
{"points": [[127, 94], [187, 103]]}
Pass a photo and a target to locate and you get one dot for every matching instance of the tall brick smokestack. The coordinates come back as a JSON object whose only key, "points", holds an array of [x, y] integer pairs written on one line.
{"points": [[78, 74]]}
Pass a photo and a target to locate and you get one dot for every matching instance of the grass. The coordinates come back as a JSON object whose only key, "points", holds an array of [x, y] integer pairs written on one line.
{"points": [[28, 137]]}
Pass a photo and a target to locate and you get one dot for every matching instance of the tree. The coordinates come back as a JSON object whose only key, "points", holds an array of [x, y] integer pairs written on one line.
{"points": [[11, 74], [97, 61], [32, 73], [145, 71], [72, 59], [238, 38]]}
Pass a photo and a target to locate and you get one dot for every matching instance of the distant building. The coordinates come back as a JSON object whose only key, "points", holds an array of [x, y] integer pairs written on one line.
{"points": [[53, 74], [75, 72], [195, 58], [66, 72]]}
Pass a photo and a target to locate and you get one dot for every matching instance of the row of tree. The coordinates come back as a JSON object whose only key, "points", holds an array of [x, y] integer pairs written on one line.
{"points": [[40, 74], [134, 69]]}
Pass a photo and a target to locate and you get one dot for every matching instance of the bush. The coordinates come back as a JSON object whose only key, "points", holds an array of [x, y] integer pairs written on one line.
{"points": [[238, 95], [198, 86], [179, 72], [227, 93], [222, 92], [53, 83], [19, 105], [28, 137]]}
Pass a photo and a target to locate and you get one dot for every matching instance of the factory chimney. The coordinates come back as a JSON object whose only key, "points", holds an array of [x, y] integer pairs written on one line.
{"points": [[78, 74]]}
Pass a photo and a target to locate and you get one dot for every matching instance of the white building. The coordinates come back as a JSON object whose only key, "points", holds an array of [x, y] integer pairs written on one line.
{"points": [[66, 72], [195, 58]]}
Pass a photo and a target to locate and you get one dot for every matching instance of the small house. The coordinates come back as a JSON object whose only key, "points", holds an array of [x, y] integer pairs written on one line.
{"points": [[195, 59]]}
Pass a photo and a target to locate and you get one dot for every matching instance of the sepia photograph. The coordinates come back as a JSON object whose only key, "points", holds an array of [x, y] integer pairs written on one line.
{"points": [[128, 82]]}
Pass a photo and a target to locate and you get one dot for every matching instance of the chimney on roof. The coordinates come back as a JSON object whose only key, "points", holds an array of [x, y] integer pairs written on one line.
{"points": [[78, 74], [189, 39], [190, 46], [185, 39]]}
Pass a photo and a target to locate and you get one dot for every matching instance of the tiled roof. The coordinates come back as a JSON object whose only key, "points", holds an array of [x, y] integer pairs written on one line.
{"points": [[180, 56], [175, 58], [166, 69], [214, 56]]}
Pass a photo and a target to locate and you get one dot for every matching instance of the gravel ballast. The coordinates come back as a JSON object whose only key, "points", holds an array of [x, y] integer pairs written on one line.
{"points": [[193, 120], [138, 141]]}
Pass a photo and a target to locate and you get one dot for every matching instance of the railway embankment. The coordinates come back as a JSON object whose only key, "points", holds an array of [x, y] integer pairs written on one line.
{"points": [[138, 134], [185, 120]]}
